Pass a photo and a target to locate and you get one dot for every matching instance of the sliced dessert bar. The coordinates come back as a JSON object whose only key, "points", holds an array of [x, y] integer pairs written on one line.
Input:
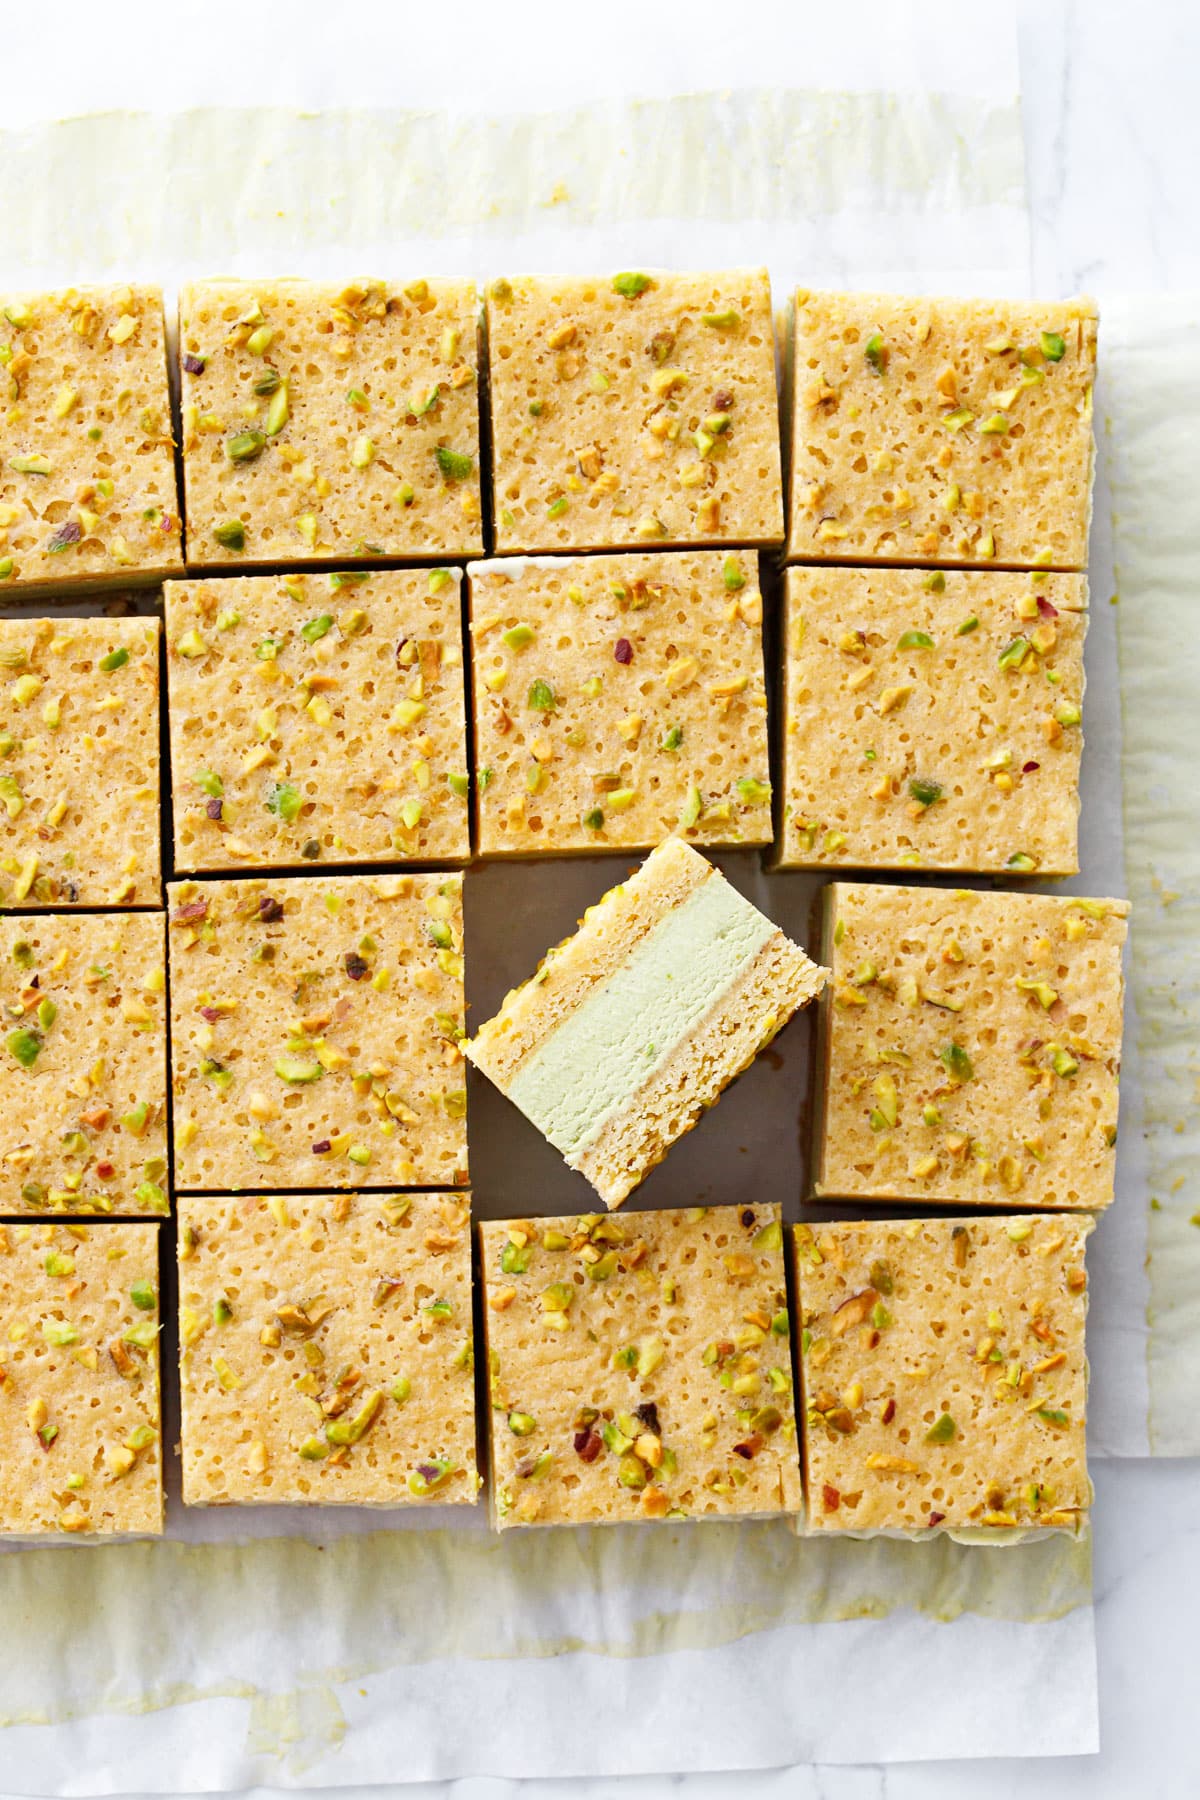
{"points": [[317, 718], [80, 1448], [639, 1367], [326, 1349], [79, 755], [327, 422], [637, 408], [972, 1047], [941, 431], [932, 720], [83, 1064], [618, 698], [632, 1028], [87, 465], [944, 1376], [315, 1032]]}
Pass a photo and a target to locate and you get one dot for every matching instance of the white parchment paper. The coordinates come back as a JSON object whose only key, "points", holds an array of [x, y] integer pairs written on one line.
{"points": [[1153, 413], [316, 1648]]}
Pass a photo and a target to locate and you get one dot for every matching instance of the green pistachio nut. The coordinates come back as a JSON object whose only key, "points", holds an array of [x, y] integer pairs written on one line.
{"points": [[245, 446]]}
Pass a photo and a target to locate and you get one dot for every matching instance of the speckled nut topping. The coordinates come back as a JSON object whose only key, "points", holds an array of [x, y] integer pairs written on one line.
{"points": [[318, 718], [83, 1063], [941, 431], [315, 1032], [637, 408], [79, 1386], [326, 1350], [932, 720], [944, 1376], [87, 466], [79, 763], [640, 1368], [332, 423], [972, 1047], [630, 1030], [618, 699]]}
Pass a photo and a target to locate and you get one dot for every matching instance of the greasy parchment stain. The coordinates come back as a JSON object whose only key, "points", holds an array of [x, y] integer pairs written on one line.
{"points": [[1152, 370], [286, 187], [297, 1729], [112, 1620]]}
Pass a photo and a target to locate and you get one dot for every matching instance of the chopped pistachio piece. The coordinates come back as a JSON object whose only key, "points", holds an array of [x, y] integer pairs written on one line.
{"points": [[454, 464], [925, 792], [245, 446], [958, 1063], [24, 1046]]}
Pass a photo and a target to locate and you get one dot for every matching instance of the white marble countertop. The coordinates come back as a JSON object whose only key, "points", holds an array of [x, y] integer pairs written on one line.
{"points": [[1112, 130]]}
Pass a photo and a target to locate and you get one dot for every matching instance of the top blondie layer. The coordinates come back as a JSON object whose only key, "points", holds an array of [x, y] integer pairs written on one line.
{"points": [[932, 719], [944, 1375], [80, 1411], [972, 1047], [79, 762], [87, 469], [317, 718], [329, 423], [634, 409], [316, 1027], [941, 431], [618, 699]]}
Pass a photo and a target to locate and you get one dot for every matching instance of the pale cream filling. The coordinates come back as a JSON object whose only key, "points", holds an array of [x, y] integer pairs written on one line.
{"points": [[591, 1066]]}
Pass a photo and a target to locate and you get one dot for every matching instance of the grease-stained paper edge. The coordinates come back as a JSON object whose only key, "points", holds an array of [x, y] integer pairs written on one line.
{"points": [[926, 191]]}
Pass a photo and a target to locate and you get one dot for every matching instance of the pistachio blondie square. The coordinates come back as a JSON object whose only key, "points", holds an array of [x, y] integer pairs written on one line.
{"points": [[618, 699], [630, 1030], [326, 1352], [318, 718], [634, 409], [316, 1030], [932, 720], [971, 1047], [87, 463], [941, 430], [79, 753], [944, 1377], [80, 1425], [83, 1063], [330, 423], [640, 1368]]}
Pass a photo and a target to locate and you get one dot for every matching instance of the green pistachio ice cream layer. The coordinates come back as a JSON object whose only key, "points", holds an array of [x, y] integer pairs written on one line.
{"points": [[591, 1066]]}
